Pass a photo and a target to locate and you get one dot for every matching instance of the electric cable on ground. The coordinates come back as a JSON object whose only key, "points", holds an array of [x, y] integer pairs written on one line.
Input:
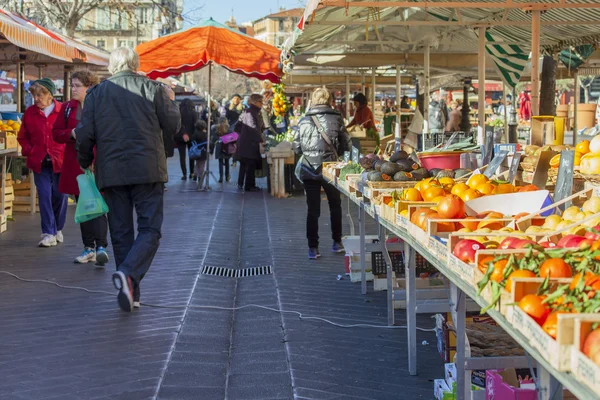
{"points": [[299, 314]]}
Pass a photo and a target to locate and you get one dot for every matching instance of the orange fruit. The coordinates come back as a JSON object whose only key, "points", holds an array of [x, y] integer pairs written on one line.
{"points": [[427, 183], [555, 161], [486, 189], [459, 188], [505, 188], [446, 181], [467, 224], [470, 194], [432, 192], [477, 180], [583, 147], [412, 194]]}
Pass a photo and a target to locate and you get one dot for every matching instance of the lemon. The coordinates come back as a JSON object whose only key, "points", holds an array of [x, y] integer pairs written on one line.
{"points": [[552, 221], [570, 213], [592, 205]]}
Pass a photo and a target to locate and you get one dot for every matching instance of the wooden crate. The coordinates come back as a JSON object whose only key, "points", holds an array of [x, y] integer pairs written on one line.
{"points": [[584, 369], [21, 208], [3, 224], [8, 208], [10, 141]]}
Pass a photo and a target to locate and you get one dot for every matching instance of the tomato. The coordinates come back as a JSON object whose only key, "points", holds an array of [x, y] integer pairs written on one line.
{"points": [[451, 206], [419, 217], [551, 322], [520, 273], [555, 268], [466, 249], [532, 305], [484, 263], [498, 273], [591, 346]]}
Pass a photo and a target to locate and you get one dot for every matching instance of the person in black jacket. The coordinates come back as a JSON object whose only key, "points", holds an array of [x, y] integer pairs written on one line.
{"points": [[189, 116], [200, 136], [125, 118], [321, 120], [250, 128]]}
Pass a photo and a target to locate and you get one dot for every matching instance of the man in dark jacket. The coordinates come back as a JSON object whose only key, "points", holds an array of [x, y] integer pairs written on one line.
{"points": [[322, 137], [250, 128], [125, 118]]}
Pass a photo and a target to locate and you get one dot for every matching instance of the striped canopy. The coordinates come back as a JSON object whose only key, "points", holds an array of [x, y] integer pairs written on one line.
{"points": [[510, 60], [574, 56]]}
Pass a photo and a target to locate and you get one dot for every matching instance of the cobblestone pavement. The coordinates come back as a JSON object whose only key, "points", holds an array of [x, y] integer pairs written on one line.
{"points": [[70, 344]]}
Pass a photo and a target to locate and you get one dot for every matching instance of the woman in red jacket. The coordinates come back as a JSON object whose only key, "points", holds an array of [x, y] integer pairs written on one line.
{"points": [[45, 158], [94, 232]]}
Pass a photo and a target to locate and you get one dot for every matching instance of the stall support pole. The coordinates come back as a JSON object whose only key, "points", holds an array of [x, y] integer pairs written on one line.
{"points": [[398, 128], [67, 83], [549, 387], [20, 93], [373, 83], [575, 105], [426, 90], [389, 273], [535, 62], [458, 307], [481, 87], [348, 99], [363, 261], [411, 304], [349, 215], [362, 82], [505, 113]]}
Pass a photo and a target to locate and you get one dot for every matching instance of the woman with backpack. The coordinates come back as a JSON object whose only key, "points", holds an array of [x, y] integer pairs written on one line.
{"points": [[321, 137], [189, 116], [93, 233]]}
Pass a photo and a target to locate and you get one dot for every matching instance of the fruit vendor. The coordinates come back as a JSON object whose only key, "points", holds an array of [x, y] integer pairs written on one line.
{"points": [[363, 116]]}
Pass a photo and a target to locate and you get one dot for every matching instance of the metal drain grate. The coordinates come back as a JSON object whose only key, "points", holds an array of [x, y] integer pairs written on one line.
{"points": [[236, 273]]}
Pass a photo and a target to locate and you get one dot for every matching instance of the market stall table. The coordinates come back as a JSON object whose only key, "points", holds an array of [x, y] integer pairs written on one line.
{"points": [[4, 154], [549, 378]]}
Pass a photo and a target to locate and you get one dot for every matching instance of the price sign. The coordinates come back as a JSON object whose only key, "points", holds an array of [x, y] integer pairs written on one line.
{"points": [[495, 163], [488, 147], [346, 156], [355, 154], [564, 181], [514, 166], [540, 174]]}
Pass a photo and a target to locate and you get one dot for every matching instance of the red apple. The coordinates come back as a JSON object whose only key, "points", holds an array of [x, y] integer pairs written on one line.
{"points": [[466, 249], [570, 241], [523, 243], [509, 243], [594, 235], [547, 245], [591, 346]]}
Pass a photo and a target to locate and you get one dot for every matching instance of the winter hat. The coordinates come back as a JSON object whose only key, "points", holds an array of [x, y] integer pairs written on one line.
{"points": [[47, 83]]}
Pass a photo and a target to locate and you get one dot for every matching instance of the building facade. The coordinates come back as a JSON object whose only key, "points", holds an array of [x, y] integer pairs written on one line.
{"points": [[274, 29], [126, 24]]}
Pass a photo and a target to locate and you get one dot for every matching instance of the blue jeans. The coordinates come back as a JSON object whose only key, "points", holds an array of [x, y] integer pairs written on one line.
{"points": [[53, 204]]}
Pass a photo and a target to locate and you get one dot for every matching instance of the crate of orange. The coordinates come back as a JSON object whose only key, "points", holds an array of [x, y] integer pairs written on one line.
{"points": [[585, 353]]}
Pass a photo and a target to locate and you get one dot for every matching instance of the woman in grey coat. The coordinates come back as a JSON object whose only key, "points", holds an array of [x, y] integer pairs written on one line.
{"points": [[321, 137]]}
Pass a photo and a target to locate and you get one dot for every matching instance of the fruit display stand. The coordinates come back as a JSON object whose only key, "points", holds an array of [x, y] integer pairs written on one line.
{"points": [[5, 196], [277, 158], [463, 295]]}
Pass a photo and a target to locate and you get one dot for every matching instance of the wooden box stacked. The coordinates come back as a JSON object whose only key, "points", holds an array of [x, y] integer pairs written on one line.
{"points": [[22, 201], [8, 194]]}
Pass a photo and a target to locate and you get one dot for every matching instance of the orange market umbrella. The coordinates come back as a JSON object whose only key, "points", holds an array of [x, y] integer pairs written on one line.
{"points": [[206, 44], [209, 43]]}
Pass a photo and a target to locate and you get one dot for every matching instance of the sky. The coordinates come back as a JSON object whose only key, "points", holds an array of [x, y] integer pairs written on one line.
{"points": [[243, 10]]}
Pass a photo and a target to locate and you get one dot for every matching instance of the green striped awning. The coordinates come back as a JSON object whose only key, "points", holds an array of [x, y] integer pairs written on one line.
{"points": [[574, 56], [510, 60]]}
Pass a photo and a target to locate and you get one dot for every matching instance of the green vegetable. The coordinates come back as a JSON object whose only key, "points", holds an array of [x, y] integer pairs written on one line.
{"points": [[350, 169]]}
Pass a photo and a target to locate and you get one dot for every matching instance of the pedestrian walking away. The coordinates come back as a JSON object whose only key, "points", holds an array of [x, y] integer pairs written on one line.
{"points": [[125, 118], [93, 233], [219, 148], [45, 158], [189, 117], [250, 128], [321, 137]]}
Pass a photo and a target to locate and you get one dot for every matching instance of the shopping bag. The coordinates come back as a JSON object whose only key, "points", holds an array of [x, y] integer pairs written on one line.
{"points": [[90, 204], [197, 151]]}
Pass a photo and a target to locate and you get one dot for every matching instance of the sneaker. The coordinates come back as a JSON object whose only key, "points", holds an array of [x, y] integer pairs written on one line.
{"points": [[184, 178], [220, 180], [47, 240], [59, 237], [124, 285], [337, 247], [192, 176], [253, 189], [101, 256], [136, 296], [228, 178], [88, 255], [313, 253]]}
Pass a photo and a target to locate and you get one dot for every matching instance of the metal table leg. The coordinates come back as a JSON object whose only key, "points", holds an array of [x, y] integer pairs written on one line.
{"points": [[411, 303], [349, 215], [389, 274], [458, 307], [363, 263], [548, 387]]}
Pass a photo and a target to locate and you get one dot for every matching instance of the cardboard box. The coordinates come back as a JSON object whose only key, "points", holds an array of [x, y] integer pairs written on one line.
{"points": [[441, 390], [504, 385]]}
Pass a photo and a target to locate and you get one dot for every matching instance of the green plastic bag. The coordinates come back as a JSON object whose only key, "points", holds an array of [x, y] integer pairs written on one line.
{"points": [[90, 204]]}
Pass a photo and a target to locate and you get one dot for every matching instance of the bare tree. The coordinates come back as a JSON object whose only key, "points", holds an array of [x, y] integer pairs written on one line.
{"points": [[225, 84]]}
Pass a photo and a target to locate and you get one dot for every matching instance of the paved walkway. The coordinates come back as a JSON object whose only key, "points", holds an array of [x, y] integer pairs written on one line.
{"points": [[70, 344]]}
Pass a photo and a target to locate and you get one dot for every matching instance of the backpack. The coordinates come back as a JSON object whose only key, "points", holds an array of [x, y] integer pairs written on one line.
{"points": [[197, 151]]}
